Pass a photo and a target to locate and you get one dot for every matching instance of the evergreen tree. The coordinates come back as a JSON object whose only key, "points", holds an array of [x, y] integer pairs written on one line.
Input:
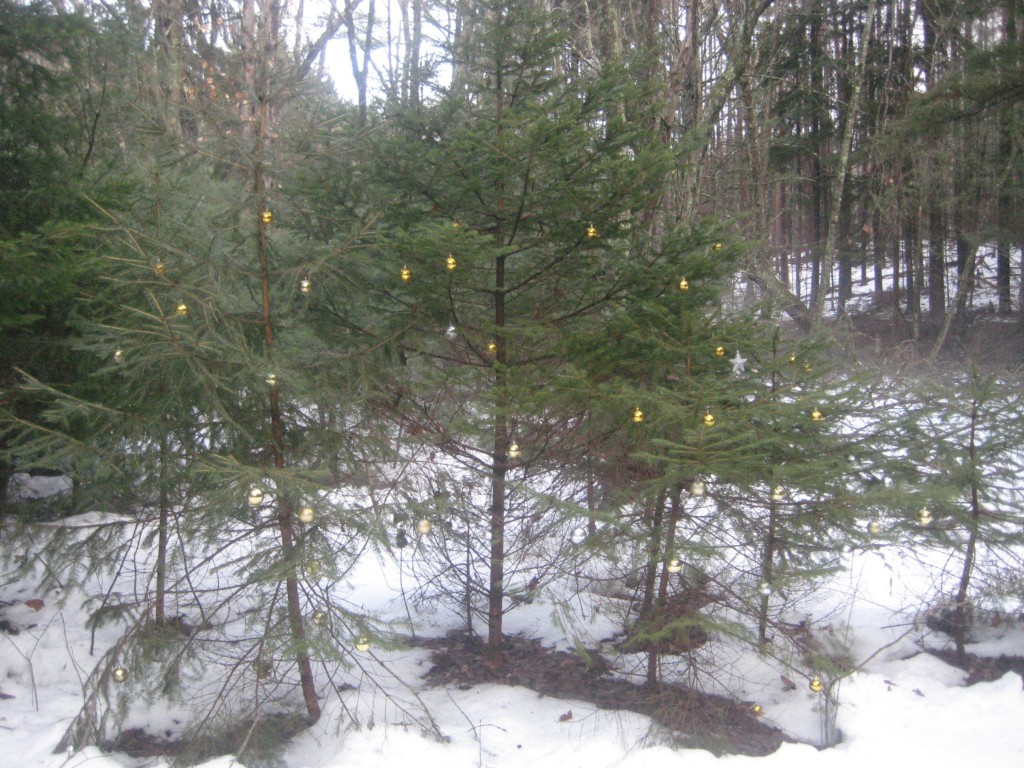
{"points": [[514, 212], [227, 417], [967, 493]]}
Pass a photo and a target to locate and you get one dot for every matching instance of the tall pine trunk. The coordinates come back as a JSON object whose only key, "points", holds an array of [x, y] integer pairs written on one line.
{"points": [[285, 518]]}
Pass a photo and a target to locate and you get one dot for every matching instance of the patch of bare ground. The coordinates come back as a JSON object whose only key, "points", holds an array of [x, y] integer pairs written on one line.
{"points": [[982, 669], [693, 718], [992, 341]]}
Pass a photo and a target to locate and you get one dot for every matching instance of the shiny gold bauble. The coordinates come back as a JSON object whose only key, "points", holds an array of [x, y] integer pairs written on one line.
{"points": [[120, 674], [792, 359], [816, 685], [406, 274], [591, 231], [817, 415], [638, 416], [514, 452], [319, 618], [159, 268], [271, 379], [266, 217], [778, 493], [709, 420], [756, 710], [697, 488], [717, 247], [305, 285], [492, 347], [925, 516], [306, 515], [674, 566], [118, 356], [450, 263], [874, 527], [719, 351], [363, 644], [255, 497], [181, 310], [424, 526], [684, 284]]}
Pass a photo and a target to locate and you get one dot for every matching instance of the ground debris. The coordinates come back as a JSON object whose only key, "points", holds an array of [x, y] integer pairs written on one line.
{"points": [[701, 720]]}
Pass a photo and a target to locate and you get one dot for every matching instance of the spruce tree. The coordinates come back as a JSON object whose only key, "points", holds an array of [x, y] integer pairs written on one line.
{"points": [[512, 214], [228, 418], [965, 498]]}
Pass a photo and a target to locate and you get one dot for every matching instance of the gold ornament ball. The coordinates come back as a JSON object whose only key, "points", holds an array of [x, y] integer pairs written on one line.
{"points": [[181, 310], [450, 263], [638, 416], [514, 452], [719, 351], [406, 274], [792, 359], [305, 285], [120, 674], [591, 231], [674, 566], [492, 347], [424, 526], [266, 217], [756, 710], [807, 367], [684, 284], [697, 488], [159, 268], [307, 515], [874, 527], [363, 644], [118, 356], [271, 379], [319, 618], [778, 493], [816, 685], [817, 415], [925, 516], [709, 420], [717, 247], [255, 497]]}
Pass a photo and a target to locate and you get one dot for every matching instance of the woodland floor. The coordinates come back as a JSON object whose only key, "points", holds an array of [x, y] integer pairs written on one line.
{"points": [[990, 340], [691, 718]]}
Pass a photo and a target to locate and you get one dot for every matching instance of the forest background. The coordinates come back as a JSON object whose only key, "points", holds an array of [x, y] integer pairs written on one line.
{"points": [[556, 273]]}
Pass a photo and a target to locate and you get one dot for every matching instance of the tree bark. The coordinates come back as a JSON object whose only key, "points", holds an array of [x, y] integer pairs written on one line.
{"points": [[842, 168]]}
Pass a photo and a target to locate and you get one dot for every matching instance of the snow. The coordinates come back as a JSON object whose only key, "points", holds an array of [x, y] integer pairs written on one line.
{"points": [[902, 706]]}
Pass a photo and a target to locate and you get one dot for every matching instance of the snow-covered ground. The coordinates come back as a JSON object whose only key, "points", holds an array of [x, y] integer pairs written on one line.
{"points": [[904, 707]]}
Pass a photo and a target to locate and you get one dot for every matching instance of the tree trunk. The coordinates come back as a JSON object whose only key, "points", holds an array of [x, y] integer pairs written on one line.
{"points": [[285, 519], [961, 612], [842, 168]]}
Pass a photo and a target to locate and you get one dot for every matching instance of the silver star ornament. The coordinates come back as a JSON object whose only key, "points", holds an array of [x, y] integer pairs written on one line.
{"points": [[737, 364]]}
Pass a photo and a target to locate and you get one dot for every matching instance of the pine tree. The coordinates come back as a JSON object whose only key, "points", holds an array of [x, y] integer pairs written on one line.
{"points": [[513, 213], [227, 418], [966, 496], [747, 469]]}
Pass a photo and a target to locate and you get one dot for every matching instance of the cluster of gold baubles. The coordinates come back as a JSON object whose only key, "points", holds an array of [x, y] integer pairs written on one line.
{"points": [[450, 264]]}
